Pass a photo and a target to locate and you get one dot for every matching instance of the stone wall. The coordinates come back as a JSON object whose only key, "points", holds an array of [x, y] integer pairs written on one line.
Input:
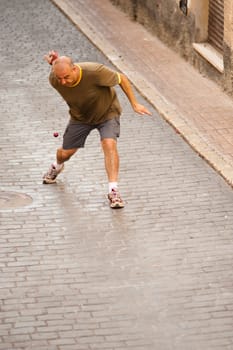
{"points": [[179, 30], [167, 21]]}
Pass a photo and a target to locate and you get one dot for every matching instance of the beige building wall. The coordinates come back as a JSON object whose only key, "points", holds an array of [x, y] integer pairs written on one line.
{"points": [[200, 12], [228, 46]]}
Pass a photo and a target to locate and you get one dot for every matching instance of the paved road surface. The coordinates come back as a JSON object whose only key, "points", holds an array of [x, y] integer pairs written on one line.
{"points": [[75, 274]]}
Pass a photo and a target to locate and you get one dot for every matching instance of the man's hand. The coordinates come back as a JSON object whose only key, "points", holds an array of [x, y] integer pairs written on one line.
{"points": [[140, 109], [51, 57]]}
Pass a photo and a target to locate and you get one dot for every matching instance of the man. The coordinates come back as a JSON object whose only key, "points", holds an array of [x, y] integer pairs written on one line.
{"points": [[88, 89]]}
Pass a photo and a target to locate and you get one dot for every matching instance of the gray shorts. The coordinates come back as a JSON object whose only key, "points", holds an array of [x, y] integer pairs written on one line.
{"points": [[76, 133]]}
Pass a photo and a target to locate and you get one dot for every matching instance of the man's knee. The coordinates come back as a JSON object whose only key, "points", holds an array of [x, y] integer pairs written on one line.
{"points": [[64, 154], [109, 144], [110, 149]]}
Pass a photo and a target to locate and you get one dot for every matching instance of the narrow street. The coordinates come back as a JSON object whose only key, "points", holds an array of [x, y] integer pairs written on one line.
{"points": [[76, 275]]}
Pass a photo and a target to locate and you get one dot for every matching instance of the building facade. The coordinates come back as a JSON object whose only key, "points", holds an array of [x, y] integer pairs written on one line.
{"points": [[200, 30]]}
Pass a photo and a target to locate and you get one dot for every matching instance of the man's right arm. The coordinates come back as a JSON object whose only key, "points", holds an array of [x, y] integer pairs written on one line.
{"points": [[127, 88], [51, 57]]}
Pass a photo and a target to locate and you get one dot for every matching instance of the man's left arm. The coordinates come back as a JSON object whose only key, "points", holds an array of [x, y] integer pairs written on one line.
{"points": [[127, 88]]}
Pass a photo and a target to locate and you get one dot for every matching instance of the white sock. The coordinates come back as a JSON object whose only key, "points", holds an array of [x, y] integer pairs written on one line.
{"points": [[57, 166], [112, 185]]}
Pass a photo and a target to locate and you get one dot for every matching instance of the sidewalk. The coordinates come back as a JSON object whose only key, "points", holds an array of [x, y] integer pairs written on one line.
{"points": [[195, 106]]}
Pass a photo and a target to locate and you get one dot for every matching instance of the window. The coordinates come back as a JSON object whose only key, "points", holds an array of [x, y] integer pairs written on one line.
{"points": [[216, 24]]}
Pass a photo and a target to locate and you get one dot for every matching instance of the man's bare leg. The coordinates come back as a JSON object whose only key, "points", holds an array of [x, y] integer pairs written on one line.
{"points": [[111, 159], [64, 154], [56, 168]]}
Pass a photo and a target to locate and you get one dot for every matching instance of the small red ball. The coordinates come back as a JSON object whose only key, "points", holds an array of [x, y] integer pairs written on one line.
{"points": [[55, 134]]}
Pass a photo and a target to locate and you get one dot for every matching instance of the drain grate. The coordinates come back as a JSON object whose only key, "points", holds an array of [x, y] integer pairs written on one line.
{"points": [[14, 200]]}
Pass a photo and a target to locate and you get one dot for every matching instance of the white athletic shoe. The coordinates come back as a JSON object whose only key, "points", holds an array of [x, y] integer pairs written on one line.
{"points": [[115, 199], [51, 175]]}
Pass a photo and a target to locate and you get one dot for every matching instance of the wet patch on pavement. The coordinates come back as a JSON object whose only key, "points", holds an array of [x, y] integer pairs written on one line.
{"points": [[14, 200]]}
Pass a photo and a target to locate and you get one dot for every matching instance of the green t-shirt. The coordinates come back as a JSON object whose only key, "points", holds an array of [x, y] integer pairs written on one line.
{"points": [[93, 100]]}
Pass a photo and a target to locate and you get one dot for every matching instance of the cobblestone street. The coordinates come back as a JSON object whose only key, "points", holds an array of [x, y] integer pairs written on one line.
{"points": [[76, 275]]}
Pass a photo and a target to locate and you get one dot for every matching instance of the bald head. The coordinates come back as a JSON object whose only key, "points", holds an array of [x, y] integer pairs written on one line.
{"points": [[65, 70], [63, 61]]}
